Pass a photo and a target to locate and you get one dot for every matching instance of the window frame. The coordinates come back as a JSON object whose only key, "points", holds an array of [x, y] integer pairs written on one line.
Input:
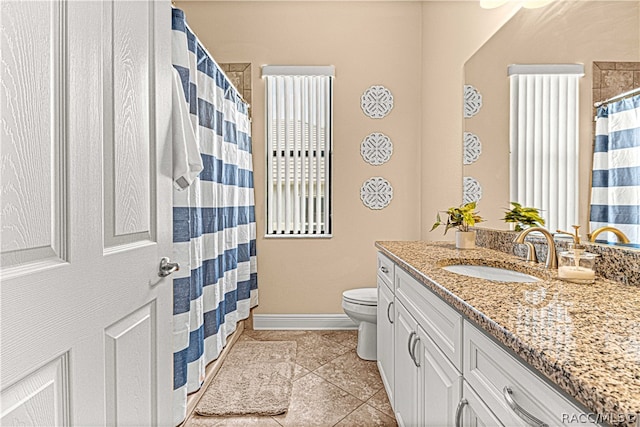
{"points": [[271, 155]]}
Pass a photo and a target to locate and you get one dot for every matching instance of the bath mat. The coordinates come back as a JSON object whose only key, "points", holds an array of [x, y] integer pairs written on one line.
{"points": [[255, 379]]}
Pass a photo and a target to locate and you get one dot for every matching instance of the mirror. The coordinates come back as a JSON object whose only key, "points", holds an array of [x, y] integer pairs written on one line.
{"points": [[598, 34]]}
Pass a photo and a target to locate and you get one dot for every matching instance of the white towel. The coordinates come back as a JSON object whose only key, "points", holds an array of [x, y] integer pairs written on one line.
{"points": [[187, 162]]}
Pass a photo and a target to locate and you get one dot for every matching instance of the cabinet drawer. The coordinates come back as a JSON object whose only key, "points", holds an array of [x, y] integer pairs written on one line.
{"points": [[439, 320], [489, 369], [385, 269]]}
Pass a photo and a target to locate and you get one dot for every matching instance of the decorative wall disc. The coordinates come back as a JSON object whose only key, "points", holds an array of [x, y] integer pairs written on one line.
{"points": [[472, 191], [472, 101], [376, 149], [376, 193], [376, 102], [472, 148]]}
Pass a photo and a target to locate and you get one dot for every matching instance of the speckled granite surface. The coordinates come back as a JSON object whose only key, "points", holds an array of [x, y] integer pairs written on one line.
{"points": [[584, 338], [615, 262]]}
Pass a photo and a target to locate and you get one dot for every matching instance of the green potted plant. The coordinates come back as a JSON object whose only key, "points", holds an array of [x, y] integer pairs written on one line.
{"points": [[461, 218], [523, 217]]}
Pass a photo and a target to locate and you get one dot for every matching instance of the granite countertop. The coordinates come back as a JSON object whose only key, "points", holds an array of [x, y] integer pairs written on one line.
{"points": [[584, 338]]}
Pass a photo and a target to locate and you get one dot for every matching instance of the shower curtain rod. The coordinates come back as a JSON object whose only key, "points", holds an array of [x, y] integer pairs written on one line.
{"points": [[622, 95]]}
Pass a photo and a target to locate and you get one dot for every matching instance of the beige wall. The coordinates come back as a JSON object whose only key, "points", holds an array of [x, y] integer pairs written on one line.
{"points": [[369, 43], [567, 32], [452, 32]]}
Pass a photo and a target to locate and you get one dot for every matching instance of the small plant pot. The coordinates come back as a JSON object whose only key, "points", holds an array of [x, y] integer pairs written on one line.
{"points": [[465, 239]]}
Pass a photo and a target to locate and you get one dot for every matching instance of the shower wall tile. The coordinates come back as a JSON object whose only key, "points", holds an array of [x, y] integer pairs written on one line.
{"points": [[633, 66], [613, 78], [240, 75]]}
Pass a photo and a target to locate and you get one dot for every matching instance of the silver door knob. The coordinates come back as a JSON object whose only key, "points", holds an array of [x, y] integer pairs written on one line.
{"points": [[167, 267]]}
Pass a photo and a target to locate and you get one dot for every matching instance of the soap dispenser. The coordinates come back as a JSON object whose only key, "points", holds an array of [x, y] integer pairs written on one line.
{"points": [[576, 264]]}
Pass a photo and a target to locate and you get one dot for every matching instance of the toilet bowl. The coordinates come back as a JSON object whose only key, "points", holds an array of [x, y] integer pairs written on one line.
{"points": [[361, 306]]}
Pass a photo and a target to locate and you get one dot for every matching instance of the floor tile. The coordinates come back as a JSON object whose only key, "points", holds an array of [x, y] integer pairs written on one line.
{"points": [[314, 351], [345, 338], [245, 337], [198, 421], [367, 416], [352, 374], [316, 402], [299, 372], [380, 401]]}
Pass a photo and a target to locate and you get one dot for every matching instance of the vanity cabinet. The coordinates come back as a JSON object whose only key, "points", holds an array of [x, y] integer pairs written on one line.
{"points": [[513, 393], [407, 373], [385, 339], [439, 369], [427, 355]]}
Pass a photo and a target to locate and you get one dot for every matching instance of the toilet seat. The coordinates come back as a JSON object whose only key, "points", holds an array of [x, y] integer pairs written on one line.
{"points": [[361, 296]]}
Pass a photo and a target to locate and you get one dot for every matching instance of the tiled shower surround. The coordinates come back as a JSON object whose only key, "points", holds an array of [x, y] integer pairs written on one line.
{"points": [[614, 262]]}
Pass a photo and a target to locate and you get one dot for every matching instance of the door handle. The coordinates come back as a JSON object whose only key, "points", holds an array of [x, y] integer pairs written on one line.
{"points": [[413, 351], [389, 308], [167, 267], [461, 405], [409, 345]]}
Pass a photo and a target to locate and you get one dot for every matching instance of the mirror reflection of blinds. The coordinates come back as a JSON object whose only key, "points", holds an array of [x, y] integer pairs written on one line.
{"points": [[299, 112], [544, 134]]}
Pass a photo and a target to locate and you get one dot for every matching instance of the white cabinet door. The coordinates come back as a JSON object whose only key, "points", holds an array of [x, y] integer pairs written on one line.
{"points": [[385, 341], [85, 212], [406, 373], [475, 413], [441, 384]]}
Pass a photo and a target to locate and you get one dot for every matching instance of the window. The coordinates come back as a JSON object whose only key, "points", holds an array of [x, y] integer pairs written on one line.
{"points": [[299, 142], [544, 140]]}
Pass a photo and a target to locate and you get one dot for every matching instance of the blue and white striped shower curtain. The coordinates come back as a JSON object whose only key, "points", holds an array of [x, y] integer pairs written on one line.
{"points": [[615, 193], [214, 230]]}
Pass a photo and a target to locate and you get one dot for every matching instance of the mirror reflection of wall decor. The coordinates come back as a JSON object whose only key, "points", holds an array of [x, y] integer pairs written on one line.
{"points": [[376, 193], [472, 101], [376, 148], [472, 190], [376, 102], [562, 32], [472, 148]]}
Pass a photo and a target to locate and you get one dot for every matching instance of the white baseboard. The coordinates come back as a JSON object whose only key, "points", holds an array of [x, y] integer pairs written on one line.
{"points": [[302, 321]]}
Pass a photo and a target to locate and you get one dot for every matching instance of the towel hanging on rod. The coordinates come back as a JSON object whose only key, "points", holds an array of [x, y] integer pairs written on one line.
{"points": [[622, 95]]}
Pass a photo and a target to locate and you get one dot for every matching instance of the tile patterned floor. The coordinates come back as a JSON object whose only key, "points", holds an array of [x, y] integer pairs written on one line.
{"points": [[332, 385]]}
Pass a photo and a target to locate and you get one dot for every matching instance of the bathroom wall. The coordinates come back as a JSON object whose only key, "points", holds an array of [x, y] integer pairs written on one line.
{"points": [[369, 43], [452, 33], [563, 32]]}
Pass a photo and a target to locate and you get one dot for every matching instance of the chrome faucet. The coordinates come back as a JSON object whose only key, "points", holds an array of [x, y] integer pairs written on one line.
{"points": [[622, 238], [552, 258]]}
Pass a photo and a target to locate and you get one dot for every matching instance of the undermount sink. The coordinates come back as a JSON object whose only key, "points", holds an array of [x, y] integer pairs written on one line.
{"points": [[491, 273]]}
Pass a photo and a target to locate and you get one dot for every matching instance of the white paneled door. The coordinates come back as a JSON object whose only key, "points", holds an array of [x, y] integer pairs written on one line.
{"points": [[85, 213]]}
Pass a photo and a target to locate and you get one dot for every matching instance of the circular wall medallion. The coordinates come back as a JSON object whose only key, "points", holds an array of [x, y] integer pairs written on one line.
{"points": [[376, 193], [472, 101], [376, 102], [472, 190], [472, 148], [376, 149]]}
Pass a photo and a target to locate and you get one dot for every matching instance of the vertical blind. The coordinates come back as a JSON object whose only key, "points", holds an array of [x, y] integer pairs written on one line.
{"points": [[544, 140], [299, 141]]}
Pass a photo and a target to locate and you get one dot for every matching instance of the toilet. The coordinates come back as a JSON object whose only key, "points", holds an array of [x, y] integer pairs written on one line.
{"points": [[361, 306]]}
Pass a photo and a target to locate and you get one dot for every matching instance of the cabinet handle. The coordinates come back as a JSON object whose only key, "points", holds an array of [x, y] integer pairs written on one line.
{"points": [[413, 351], [459, 412], [409, 344], [384, 269], [520, 411], [388, 316]]}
